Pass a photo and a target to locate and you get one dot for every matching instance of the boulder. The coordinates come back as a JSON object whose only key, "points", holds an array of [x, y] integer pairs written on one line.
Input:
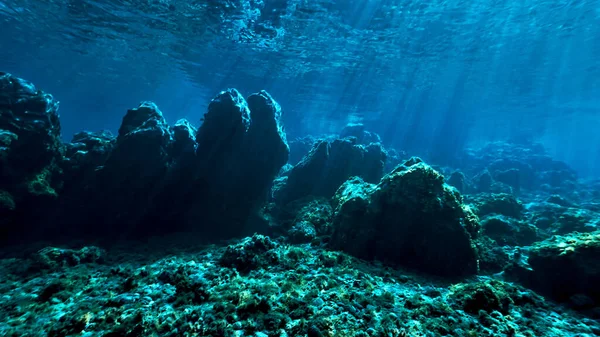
{"points": [[410, 218], [563, 268]]}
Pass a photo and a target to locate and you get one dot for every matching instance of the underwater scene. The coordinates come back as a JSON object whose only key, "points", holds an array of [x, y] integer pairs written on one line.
{"points": [[312, 168]]}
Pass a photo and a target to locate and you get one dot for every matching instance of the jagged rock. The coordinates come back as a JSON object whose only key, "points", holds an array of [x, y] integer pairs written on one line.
{"points": [[266, 150], [30, 153], [240, 149], [411, 218], [328, 165], [563, 267], [122, 189], [87, 152], [184, 139]]}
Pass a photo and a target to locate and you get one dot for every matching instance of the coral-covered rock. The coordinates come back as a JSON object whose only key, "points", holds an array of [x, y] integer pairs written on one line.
{"points": [[563, 267], [411, 218], [328, 165]]}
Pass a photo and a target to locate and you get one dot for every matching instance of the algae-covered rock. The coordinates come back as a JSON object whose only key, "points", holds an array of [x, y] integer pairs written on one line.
{"points": [[411, 218], [564, 266], [490, 296], [251, 253], [30, 153]]}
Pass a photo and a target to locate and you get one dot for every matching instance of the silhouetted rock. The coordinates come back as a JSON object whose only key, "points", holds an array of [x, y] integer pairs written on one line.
{"points": [[30, 153], [411, 218], [88, 150], [184, 139], [118, 194], [152, 178], [328, 165], [240, 149]]}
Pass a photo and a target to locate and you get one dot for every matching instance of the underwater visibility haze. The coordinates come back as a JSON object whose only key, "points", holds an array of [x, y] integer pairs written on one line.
{"points": [[299, 168]]}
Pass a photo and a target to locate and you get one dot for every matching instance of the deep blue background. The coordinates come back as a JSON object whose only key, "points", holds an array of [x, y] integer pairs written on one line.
{"points": [[456, 77]]}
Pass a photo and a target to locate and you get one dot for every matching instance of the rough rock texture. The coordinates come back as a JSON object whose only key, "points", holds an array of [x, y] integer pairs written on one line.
{"points": [[565, 268], [240, 149], [410, 218], [151, 178], [306, 220], [118, 177], [328, 165], [152, 289], [30, 152]]}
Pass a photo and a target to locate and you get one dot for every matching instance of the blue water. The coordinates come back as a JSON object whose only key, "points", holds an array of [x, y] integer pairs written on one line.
{"points": [[430, 77]]}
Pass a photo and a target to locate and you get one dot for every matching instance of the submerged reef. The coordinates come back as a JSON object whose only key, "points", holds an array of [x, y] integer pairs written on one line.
{"points": [[226, 230]]}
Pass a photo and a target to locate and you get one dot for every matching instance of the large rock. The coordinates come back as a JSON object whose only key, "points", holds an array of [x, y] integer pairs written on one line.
{"points": [[411, 218], [151, 178], [239, 150], [117, 178], [30, 153], [565, 268], [328, 165]]}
